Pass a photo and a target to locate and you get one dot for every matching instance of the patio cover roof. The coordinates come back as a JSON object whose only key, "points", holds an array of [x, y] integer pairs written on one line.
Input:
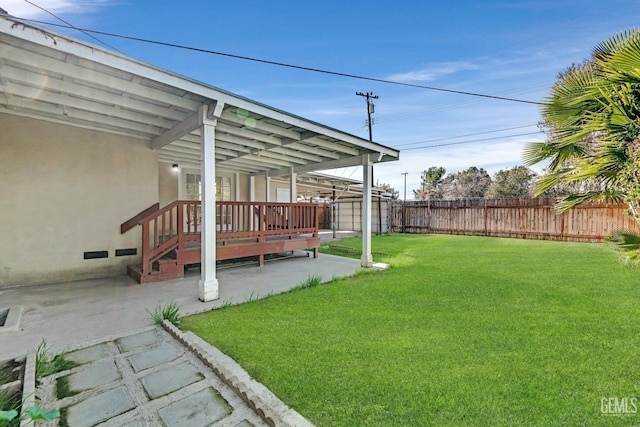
{"points": [[53, 77], [326, 185]]}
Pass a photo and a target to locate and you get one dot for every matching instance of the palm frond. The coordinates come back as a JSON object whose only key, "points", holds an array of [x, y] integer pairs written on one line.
{"points": [[569, 202], [535, 152], [613, 44], [545, 183]]}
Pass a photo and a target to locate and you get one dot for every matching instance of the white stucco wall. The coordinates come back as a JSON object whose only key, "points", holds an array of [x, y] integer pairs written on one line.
{"points": [[65, 191], [167, 184]]}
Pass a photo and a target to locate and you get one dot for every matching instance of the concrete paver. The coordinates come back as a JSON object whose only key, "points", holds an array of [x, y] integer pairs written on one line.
{"points": [[99, 408], [95, 375], [170, 379], [200, 409], [162, 353], [132, 342], [172, 391], [89, 354]]}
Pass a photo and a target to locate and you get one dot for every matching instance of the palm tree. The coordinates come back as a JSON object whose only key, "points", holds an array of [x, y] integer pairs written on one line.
{"points": [[593, 116]]}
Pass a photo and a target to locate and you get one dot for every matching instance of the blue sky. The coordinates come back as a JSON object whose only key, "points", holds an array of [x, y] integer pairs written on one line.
{"points": [[506, 48]]}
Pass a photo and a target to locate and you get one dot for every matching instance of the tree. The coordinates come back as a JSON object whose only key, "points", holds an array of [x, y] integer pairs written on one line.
{"points": [[431, 180], [593, 115], [387, 188], [471, 183], [515, 182]]}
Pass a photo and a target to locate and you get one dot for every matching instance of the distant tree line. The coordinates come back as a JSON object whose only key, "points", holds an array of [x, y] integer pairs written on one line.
{"points": [[475, 183]]}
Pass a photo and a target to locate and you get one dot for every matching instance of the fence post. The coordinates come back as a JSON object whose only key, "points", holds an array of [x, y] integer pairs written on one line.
{"points": [[486, 233], [404, 209]]}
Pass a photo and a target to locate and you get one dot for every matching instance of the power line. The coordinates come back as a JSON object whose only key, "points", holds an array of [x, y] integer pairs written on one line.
{"points": [[464, 136], [474, 140], [385, 118], [298, 67], [70, 25]]}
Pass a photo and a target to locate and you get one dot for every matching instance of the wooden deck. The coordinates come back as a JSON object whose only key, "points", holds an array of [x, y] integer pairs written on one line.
{"points": [[171, 235]]}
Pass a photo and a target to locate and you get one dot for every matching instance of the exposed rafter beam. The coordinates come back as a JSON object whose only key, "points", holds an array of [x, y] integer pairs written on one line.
{"points": [[342, 148], [299, 154], [248, 134], [232, 139], [49, 65], [80, 91], [261, 124], [38, 108], [310, 167], [65, 100], [269, 155], [183, 128]]}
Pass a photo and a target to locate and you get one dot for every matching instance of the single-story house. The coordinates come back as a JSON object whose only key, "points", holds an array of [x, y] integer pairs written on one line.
{"points": [[90, 138]]}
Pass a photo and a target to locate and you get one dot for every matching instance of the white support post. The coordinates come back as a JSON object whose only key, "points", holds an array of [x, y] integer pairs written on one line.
{"points": [[237, 188], [252, 188], [367, 178], [293, 188], [208, 285], [267, 188]]}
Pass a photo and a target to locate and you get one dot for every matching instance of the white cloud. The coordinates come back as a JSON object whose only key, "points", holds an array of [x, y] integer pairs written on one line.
{"points": [[22, 9], [433, 72]]}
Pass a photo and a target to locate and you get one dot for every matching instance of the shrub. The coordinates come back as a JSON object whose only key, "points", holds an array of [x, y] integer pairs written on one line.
{"points": [[169, 311]]}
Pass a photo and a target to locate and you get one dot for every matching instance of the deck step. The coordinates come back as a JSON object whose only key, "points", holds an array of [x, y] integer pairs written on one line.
{"points": [[166, 265], [165, 273]]}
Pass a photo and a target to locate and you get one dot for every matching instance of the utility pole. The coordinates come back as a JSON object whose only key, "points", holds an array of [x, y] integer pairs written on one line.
{"points": [[370, 109]]}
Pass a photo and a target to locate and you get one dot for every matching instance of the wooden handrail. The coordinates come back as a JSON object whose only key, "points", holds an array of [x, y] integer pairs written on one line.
{"points": [[129, 224]]}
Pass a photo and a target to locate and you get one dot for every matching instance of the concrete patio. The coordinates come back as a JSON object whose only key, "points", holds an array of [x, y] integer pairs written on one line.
{"points": [[75, 312]]}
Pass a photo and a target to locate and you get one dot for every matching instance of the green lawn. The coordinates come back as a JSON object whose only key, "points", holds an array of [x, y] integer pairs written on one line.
{"points": [[460, 331]]}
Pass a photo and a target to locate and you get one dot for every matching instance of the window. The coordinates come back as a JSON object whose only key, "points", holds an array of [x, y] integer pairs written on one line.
{"points": [[193, 187], [223, 188]]}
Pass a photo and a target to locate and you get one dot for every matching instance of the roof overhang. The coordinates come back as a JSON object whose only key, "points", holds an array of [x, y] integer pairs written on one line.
{"points": [[314, 183], [53, 77]]}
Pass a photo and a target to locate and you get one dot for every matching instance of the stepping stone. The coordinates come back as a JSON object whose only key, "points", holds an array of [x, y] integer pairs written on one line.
{"points": [[198, 410], [171, 379], [100, 408], [95, 375], [89, 354], [154, 356], [134, 342]]}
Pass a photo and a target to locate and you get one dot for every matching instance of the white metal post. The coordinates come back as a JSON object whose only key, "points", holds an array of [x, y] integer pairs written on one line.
{"points": [[367, 178], [208, 285], [267, 188], [293, 188]]}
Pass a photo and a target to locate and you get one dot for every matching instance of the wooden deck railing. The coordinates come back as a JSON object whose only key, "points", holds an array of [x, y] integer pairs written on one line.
{"points": [[177, 227]]}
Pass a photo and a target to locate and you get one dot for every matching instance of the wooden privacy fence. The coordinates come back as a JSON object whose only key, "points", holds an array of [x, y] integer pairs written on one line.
{"points": [[530, 218]]}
